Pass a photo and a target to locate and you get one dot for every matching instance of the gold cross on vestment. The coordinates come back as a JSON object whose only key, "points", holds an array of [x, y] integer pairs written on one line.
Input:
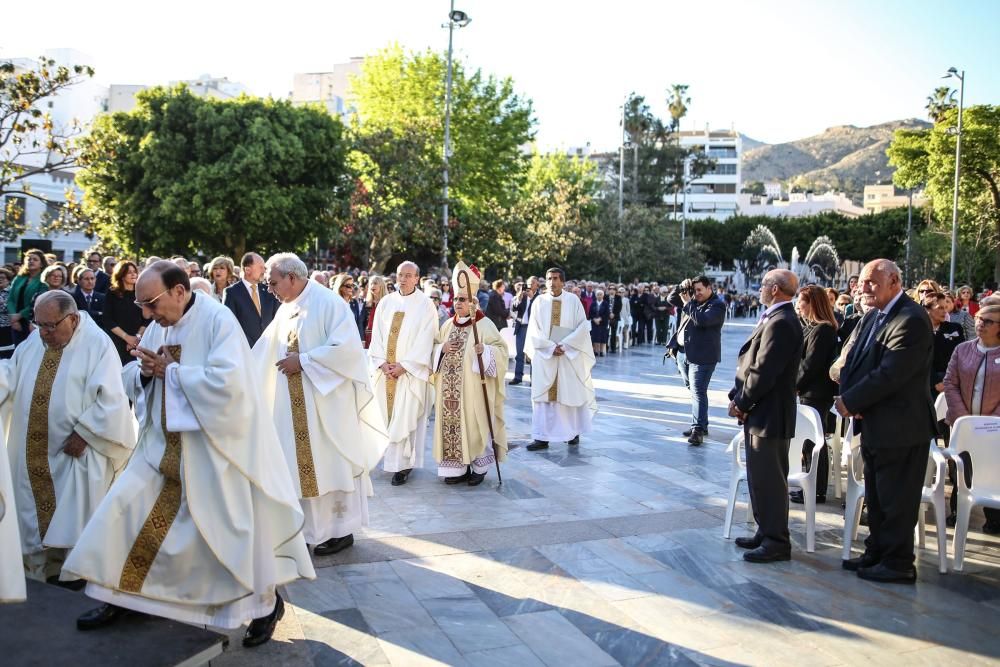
{"points": [[339, 508]]}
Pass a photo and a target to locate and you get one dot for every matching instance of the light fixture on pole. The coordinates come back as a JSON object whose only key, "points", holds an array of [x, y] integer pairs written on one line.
{"points": [[456, 19], [953, 72]]}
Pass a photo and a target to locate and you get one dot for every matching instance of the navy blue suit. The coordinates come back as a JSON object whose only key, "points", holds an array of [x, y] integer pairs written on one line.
{"points": [[236, 298]]}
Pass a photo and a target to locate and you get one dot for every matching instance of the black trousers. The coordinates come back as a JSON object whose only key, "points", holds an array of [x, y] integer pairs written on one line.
{"points": [[894, 479], [767, 479]]}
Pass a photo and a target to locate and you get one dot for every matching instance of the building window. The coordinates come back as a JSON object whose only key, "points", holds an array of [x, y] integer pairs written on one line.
{"points": [[724, 170], [722, 152]]}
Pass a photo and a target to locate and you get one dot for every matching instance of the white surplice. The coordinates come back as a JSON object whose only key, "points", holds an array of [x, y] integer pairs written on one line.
{"points": [[407, 426], [237, 533], [87, 397], [12, 588], [345, 428], [572, 412]]}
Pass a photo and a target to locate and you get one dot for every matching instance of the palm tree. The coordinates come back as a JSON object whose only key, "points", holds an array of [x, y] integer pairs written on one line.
{"points": [[678, 102], [938, 103]]}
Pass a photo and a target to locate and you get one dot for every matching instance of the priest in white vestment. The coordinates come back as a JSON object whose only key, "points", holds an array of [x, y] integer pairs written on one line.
{"points": [[68, 428], [400, 365], [562, 355], [204, 523], [463, 447], [314, 376], [12, 587]]}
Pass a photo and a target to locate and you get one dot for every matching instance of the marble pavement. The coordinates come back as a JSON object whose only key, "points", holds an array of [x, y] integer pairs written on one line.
{"points": [[611, 553]]}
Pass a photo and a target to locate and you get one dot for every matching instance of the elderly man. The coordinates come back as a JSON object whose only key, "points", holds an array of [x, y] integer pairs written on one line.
{"points": [[204, 523], [884, 383], [68, 427], [252, 304], [313, 375], [763, 400], [400, 364], [88, 298], [562, 392]]}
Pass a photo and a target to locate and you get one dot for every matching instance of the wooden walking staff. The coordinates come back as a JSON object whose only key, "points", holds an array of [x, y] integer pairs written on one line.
{"points": [[474, 305]]}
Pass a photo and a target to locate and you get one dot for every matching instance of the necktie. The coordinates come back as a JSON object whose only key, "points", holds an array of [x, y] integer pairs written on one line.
{"points": [[879, 321], [255, 298], [87, 297]]}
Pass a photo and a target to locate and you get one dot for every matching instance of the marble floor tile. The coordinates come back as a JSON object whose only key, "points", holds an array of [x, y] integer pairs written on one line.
{"points": [[508, 656], [425, 582], [469, 623], [420, 647], [389, 605], [556, 641]]}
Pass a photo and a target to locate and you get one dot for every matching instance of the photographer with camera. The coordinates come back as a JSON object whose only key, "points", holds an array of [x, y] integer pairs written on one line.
{"points": [[697, 345]]}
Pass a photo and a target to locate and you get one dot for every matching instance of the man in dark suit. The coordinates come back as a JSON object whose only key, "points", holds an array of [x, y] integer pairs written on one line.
{"points": [[87, 298], [521, 310], [254, 314], [103, 280], [763, 400], [885, 385]]}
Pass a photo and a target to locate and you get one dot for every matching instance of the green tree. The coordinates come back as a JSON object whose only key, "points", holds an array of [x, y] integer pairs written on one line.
{"points": [[928, 157], [940, 101], [490, 123], [181, 173], [32, 145]]}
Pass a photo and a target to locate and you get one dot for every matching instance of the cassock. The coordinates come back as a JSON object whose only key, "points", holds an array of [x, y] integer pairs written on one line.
{"points": [[47, 394], [403, 333], [327, 420], [461, 425], [204, 523], [12, 587], [562, 392]]}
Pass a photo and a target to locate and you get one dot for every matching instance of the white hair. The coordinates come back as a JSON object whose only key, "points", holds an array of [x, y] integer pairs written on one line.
{"points": [[199, 283], [407, 263], [287, 264]]}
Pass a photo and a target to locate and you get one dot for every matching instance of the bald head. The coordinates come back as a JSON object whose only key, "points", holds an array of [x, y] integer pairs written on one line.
{"points": [[777, 286], [163, 291], [880, 283]]}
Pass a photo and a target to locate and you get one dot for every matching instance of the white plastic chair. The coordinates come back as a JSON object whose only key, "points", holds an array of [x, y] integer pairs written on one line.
{"points": [[808, 426], [980, 437], [738, 475], [855, 492], [933, 495]]}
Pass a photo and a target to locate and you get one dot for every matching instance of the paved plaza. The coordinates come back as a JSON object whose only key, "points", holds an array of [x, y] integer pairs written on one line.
{"points": [[612, 553]]}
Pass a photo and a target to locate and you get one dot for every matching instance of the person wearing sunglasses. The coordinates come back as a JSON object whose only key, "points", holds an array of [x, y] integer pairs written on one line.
{"points": [[203, 525]]}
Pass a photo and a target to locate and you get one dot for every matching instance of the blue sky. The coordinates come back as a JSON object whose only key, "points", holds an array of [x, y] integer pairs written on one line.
{"points": [[776, 70]]}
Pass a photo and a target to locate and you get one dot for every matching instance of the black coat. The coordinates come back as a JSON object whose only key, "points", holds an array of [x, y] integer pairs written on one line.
{"points": [[496, 310], [103, 283], [767, 368], [948, 336], [700, 328], [886, 381], [236, 298], [97, 300], [819, 351]]}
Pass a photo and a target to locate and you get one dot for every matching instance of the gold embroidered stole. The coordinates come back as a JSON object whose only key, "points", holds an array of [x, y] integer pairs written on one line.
{"points": [[390, 356], [452, 374], [556, 319], [300, 422], [161, 517], [37, 441]]}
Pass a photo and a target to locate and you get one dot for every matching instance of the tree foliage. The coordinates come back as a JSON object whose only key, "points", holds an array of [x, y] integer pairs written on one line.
{"points": [[181, 173], [32, 144]]}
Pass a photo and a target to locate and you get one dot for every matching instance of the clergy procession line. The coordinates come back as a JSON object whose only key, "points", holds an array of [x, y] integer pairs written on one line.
{"points": [[189, 483]]}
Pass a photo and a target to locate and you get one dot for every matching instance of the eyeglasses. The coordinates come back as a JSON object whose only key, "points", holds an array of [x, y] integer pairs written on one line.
{"points": [[926, 290], [44, 326], [347, 286], [461, 299], [435, 298], [151, 303], [986, 321]]}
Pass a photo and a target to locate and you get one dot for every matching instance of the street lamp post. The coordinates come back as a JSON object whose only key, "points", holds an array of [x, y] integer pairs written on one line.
{"points": [[460, 19], [953, 72], [909, 236]]}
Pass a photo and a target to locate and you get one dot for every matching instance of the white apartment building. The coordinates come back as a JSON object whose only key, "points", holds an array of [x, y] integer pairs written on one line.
{"points": [[799, 204], [329, 89], [714, 195]]}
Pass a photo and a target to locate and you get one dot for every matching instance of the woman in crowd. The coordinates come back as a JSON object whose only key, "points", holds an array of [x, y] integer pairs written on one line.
{"points": [[26, 285], [6, 335], [377, 289], [600, 317], [55, 277], [972, 387], [966, 301], [446, 296], [435, 295], [960, 316], [625, 326], [122, 318], [947, 336], [923, 288], [813, 385], [222, 273]]}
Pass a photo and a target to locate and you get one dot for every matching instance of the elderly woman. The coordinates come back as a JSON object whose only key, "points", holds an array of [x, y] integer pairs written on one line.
{"points": [[961, 317], [222, 273], [972, 387], [600, 318], [966, 301], [435, 296], [947, 336], [377, 289]]}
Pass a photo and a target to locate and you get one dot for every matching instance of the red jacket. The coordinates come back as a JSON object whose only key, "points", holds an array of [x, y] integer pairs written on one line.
{"points": [[960, 379]]}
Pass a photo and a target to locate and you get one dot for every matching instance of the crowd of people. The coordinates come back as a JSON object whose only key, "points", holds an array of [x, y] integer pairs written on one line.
{"points": [[184, 434]]}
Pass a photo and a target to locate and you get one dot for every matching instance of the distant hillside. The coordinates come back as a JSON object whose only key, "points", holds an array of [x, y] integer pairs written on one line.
{"points": [[844, 157]]}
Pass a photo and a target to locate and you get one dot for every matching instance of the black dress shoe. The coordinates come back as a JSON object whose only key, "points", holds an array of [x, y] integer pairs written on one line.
{"points": [[797, 498], [333, 545], [747, 542], [106, 614], [881, 573], [574, 441], [536, 445], [399, 478], [696, 438], [261, 629], [764, 555], [514, 382], [475, 478], [73, 585], [864, 560], [687, 433], [464, 477]]}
